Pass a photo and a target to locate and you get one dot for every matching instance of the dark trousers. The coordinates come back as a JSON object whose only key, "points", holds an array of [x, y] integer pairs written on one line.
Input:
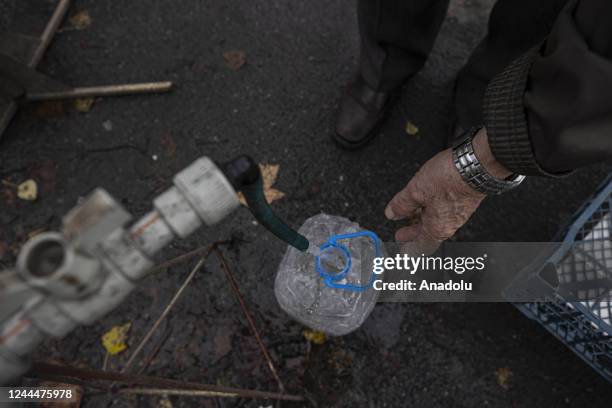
{"points": [[397, 36]]}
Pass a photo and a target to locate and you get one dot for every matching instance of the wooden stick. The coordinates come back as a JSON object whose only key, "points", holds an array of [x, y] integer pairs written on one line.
{"points": [[41, 370], [45, 40], [183, 393], [167, 310], [204, 252], [47, 35], [104, 90], [186, 256], [151, 356]]}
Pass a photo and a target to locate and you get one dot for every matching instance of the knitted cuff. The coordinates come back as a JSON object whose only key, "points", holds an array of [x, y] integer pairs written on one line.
{"points": [[505, 117]]}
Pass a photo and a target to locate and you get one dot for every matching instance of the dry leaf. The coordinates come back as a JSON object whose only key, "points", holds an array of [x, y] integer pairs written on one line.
{"points": [[242, 199], [45, 172], [503, 375], [81, 20], [168, 145], [411, 128], [49, 109], [164, 402], [28, 190], [114, 339], [83, 105], [269, 173], [315, 337], [234, 59]]}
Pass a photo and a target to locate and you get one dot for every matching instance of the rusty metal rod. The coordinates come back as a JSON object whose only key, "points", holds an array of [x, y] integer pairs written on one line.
{"points": [[45, 39], [40, 369], [249, 318], [104, 90]]}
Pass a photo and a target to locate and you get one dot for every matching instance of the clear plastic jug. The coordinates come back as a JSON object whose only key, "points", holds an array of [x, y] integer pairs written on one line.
{"points": [[332, 292]]}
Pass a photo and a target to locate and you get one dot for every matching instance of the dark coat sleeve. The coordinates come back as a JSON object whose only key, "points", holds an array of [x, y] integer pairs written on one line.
{"points": [[550, 111]]}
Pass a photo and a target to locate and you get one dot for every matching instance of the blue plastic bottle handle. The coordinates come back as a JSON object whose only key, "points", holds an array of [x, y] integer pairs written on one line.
{"points": [[331, 280]]}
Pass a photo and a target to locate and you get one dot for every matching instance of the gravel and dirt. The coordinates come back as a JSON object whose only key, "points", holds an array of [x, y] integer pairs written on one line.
{"points": [[278, 107]]}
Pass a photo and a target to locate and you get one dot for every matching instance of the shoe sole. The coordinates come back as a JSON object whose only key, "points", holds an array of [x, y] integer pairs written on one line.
{"points": [[348, 145]]}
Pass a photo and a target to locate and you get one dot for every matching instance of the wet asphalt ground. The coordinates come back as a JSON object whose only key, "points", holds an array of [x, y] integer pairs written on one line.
{"points": [[279, 108]]}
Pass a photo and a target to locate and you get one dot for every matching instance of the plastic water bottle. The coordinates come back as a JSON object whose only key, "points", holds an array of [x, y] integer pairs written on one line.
{"points": [[335, 296]]}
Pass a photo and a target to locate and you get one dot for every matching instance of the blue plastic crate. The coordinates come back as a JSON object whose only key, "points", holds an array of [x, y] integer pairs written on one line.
{"points": [[581, 266]]}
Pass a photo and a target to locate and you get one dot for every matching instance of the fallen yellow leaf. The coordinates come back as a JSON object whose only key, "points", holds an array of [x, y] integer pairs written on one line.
{"points": [[83, 105], [114, 339], [411, 128], [269, 173], [164, 402], [81, 20], [503, 375], [28, 190], [315, 337]]}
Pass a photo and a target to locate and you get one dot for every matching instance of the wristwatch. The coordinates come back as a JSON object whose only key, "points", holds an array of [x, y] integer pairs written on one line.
{"points": [[473, 173]]}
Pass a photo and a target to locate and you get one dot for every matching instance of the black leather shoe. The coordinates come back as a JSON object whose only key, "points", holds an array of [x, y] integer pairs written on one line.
{"points": [[361, 109]]}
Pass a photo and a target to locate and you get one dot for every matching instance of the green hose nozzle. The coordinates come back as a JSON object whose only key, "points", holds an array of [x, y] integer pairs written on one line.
{"points": [[245, 176]]}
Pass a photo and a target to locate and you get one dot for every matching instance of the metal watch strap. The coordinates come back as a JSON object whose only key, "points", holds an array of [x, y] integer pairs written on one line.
{"points": [[473, 173]]}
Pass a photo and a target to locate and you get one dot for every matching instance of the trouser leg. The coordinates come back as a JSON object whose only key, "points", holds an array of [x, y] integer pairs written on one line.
{"points": [[396, 38], [514, 27]]}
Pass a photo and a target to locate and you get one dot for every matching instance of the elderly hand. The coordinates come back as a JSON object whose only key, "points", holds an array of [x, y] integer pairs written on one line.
{"points": [[438, 200]]}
